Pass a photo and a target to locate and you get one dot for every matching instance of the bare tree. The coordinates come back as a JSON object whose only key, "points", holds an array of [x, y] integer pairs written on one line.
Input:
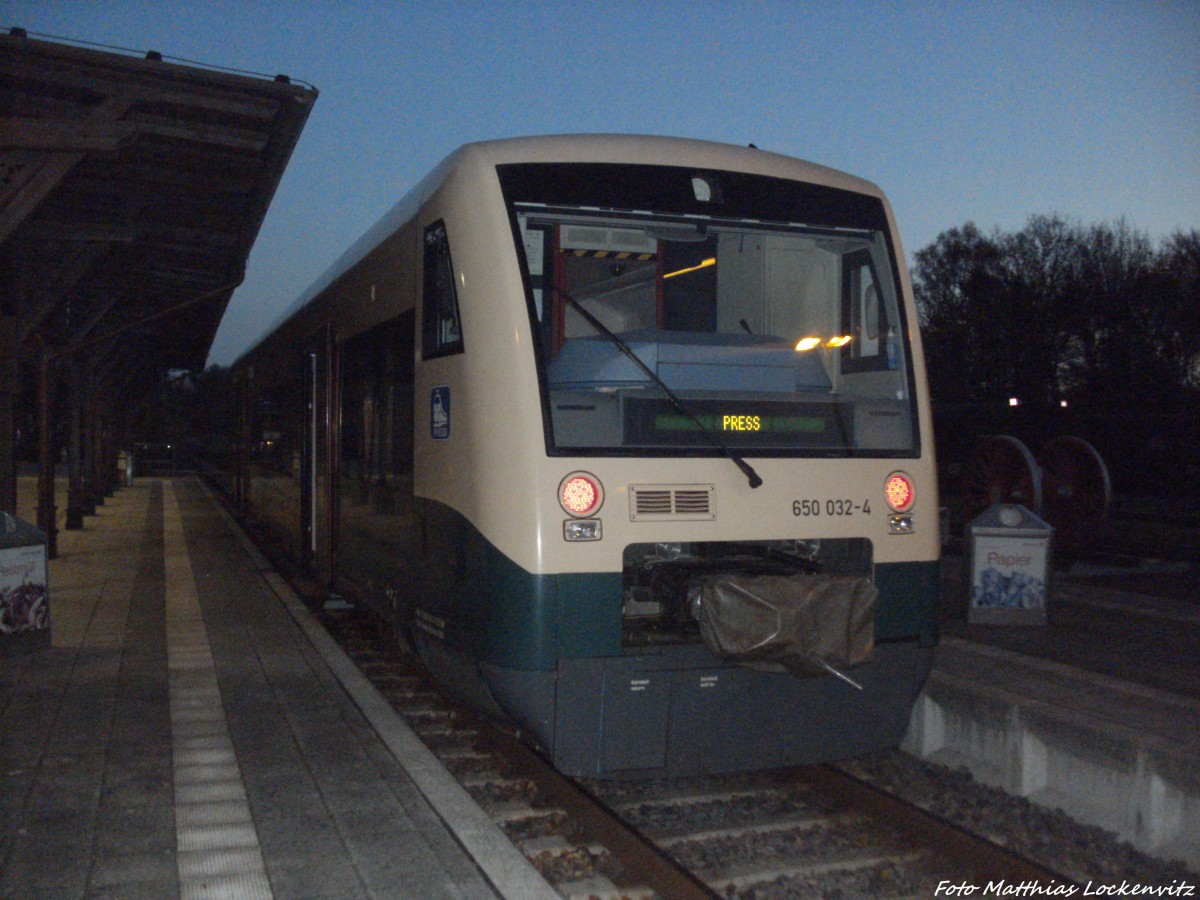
{"points": [[1177, 307], [1041, 266], [957, 279], [1058, 312]]}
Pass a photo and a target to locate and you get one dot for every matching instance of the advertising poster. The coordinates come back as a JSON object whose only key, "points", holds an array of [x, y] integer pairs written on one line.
{"points": [[24, 600], [1008, 579]]}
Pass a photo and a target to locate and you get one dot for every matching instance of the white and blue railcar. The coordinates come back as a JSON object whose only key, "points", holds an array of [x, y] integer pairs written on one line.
{"points": [[629, 438]]}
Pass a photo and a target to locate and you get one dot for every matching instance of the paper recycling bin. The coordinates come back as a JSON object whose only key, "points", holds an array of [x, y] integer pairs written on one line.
{"points": [[24, 593], [1009, 567]]}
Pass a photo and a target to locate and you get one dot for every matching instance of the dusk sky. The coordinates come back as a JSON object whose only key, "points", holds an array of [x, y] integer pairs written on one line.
{"points": [[985, 111]]}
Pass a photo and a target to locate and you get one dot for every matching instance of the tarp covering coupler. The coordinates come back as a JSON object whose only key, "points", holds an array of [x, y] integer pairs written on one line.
{"points": [[809, 624]]}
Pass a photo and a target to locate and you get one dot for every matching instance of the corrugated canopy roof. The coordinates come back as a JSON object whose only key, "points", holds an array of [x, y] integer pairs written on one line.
{"points": [[131, 192]]}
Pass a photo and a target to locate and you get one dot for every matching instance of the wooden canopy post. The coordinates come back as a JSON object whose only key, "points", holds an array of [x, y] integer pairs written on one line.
{"points": [[9, 388], [242, 480], [76, 502], [47, 512]]}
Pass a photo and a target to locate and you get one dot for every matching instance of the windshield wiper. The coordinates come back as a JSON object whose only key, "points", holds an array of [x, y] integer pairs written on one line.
{"points": [[679, 406]]}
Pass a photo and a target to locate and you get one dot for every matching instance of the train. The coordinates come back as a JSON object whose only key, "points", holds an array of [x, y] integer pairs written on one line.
{"points": [[628, 438]]}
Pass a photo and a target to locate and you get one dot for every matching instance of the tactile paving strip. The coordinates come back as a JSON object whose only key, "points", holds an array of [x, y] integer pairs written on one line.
{"points": [[218, 853]]}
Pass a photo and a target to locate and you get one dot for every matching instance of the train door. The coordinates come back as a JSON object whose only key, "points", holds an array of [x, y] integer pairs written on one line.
{"points": [[442, 583], [308, 458], [319, 458], [378, 543]]}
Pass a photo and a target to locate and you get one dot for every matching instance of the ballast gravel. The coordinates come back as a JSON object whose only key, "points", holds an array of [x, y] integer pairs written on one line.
{"points": [[1083, 853]]}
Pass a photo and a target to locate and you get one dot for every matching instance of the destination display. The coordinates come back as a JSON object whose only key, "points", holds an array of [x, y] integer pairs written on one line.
{"points": [[750, 423], [741, 423]]}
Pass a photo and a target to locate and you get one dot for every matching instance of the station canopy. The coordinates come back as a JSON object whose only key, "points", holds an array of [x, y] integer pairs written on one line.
{"points": [[131, 191]]}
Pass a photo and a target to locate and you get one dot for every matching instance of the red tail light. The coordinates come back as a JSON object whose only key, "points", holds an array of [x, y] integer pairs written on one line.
{"points": [[580, 494], [899, 492]]}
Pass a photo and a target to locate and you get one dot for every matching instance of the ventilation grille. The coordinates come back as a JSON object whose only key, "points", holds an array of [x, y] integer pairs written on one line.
{"points": [[658, 502]]}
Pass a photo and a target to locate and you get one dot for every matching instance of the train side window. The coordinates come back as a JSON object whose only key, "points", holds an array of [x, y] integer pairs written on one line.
{"points": [[441, 327]]}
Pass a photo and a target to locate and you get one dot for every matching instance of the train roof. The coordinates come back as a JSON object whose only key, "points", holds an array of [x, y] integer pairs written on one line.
{"points": [[579, 148], [665, 151]]}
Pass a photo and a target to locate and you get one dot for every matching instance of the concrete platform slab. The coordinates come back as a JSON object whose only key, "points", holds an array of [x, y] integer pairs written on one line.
{"points": [[184, 736], [1111, 753]]}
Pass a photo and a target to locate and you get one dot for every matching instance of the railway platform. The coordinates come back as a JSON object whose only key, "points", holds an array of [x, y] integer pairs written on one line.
{"points": [[1096, 713], [191, 731]]}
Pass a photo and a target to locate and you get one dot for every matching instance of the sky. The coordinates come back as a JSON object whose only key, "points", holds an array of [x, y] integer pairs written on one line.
{"points": [[984, 112]]}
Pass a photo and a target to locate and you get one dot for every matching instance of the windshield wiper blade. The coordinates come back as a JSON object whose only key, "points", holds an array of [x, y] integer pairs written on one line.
{"points": [[752, 477]]}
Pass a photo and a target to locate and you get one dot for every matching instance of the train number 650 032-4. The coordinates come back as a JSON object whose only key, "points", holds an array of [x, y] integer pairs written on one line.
{"points": [[830, 507]]}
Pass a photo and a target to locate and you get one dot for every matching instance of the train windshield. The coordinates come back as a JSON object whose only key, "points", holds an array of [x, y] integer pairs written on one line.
{"points": [[709, 312]]}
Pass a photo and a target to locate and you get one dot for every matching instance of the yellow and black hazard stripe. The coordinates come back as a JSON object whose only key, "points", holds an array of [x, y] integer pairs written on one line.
{"points": [[611, 254]]}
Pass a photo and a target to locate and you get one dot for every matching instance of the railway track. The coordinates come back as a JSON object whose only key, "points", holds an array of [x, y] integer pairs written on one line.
{"points": [[807, 832], [795, 833]]}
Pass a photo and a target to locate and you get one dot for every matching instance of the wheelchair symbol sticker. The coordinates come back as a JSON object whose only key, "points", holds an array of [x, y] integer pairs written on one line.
{"points": [[439, 413]]}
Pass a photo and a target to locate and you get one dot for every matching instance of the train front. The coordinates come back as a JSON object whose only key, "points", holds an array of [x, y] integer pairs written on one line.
{"points": [[741, 571]]}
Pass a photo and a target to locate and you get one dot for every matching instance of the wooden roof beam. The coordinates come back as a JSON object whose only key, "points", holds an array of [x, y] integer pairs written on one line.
{"points": [[67, 275], [206, 134], [54, 169], [64, 136], [78, 231], [156, 87]]}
